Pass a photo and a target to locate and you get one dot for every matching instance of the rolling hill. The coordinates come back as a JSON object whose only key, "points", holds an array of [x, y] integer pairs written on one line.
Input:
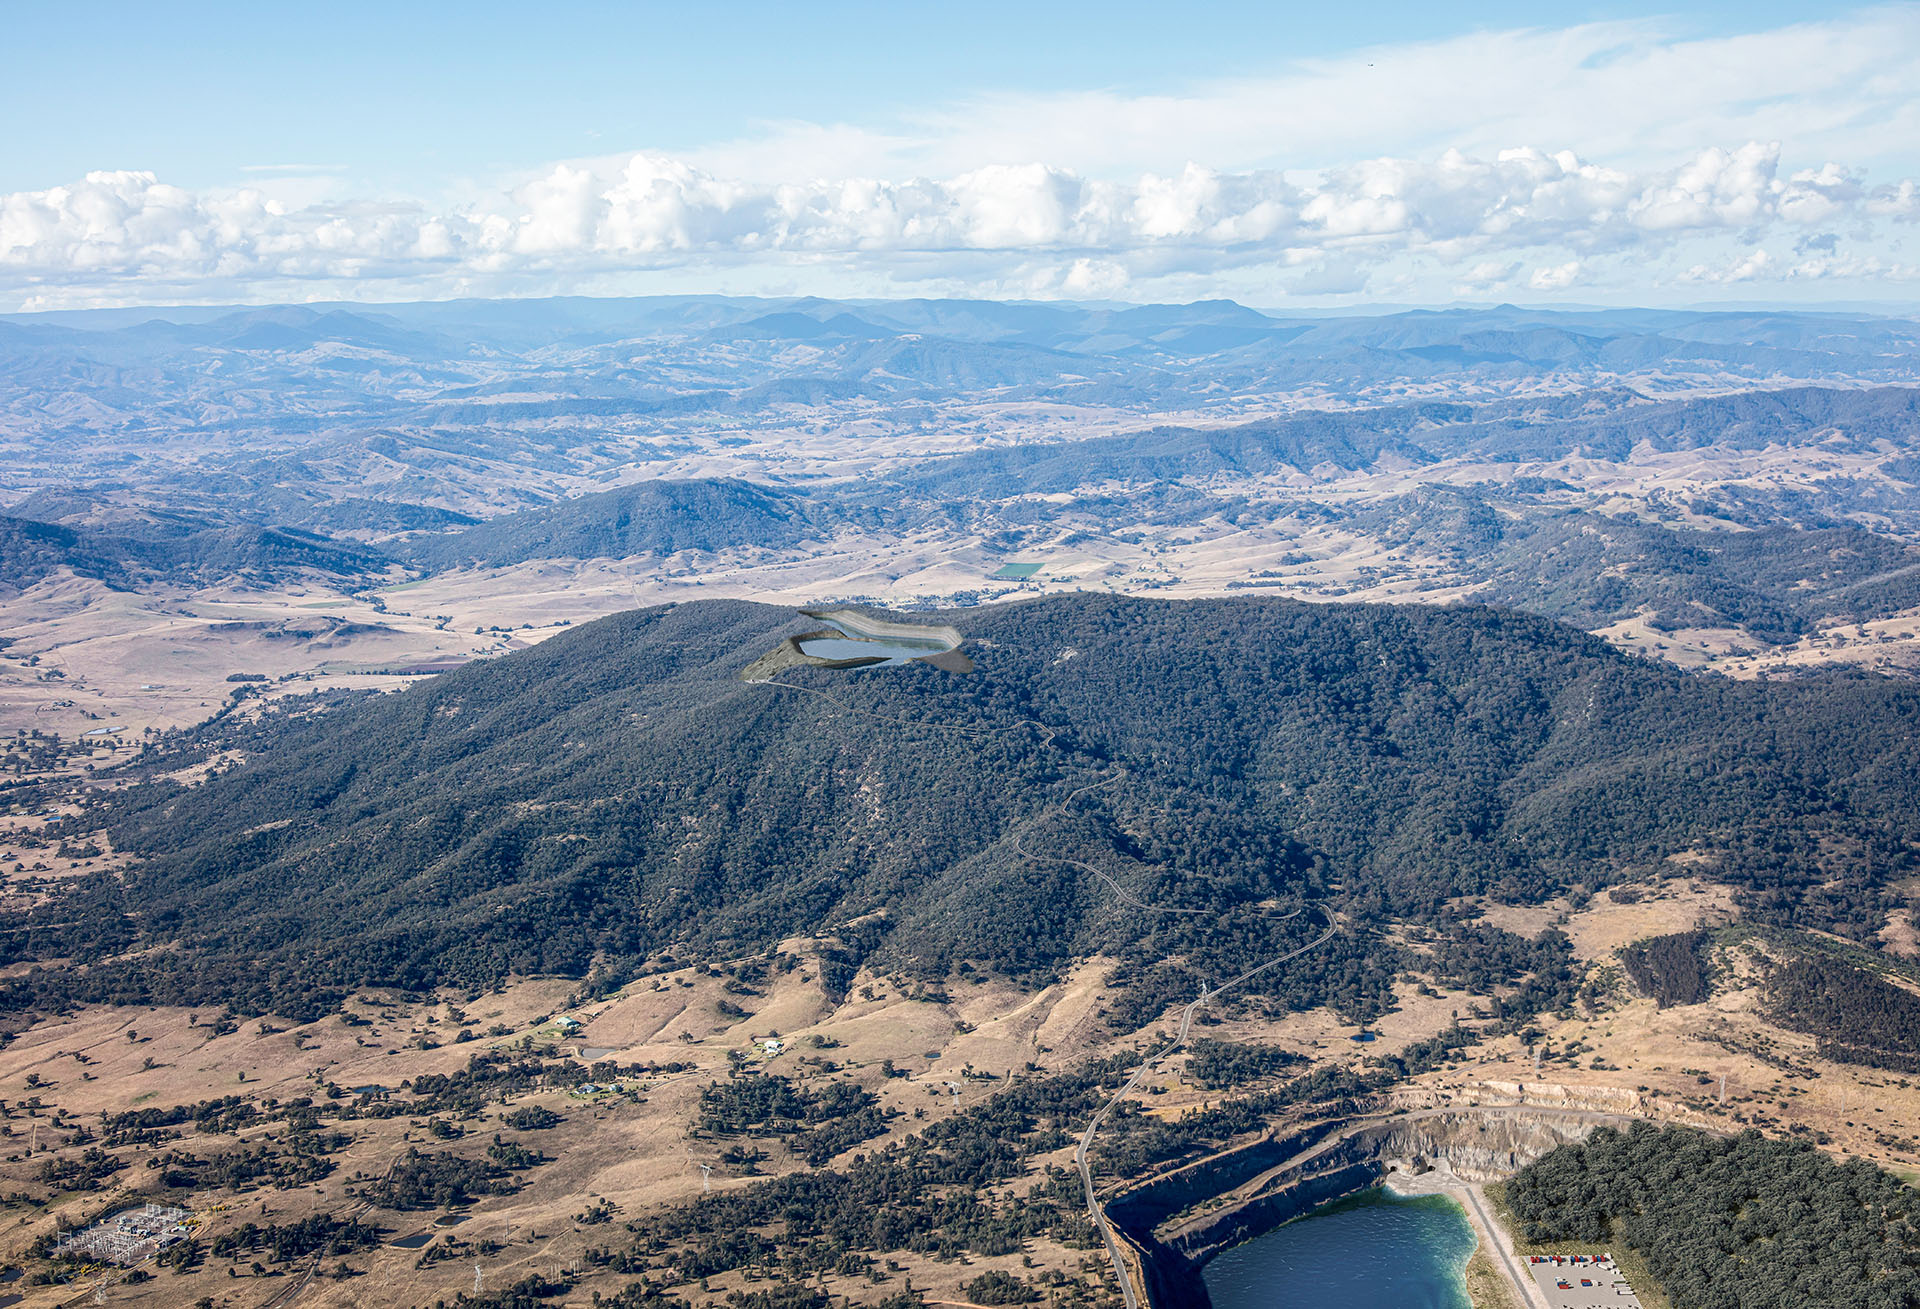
{"points": [[648, 518], [617, 794]]}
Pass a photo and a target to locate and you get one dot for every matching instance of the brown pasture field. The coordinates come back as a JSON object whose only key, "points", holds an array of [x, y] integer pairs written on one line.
{"points": [[631, 1150], [637, 1148]]}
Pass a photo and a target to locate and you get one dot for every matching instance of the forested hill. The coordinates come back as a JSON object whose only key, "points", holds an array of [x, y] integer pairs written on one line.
{"points": [[1745, 1223], [31, 550], [1427, 431], [648, 518], [618, 792]]}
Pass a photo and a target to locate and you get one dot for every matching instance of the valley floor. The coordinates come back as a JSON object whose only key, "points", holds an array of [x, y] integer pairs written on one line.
{"points": [[632, 1141]]}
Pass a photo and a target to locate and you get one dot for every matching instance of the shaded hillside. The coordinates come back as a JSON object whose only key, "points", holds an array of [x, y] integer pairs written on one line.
{"points": [[1427, 431], [617, 792], [30, 550], [266, 552], [1594, 569], [647, 518], [1348, 440], [119, 510]]}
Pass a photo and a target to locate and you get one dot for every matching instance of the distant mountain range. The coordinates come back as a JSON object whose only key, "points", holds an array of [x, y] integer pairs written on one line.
{"points": [[30, 550], [409, 362], [346, 440]]}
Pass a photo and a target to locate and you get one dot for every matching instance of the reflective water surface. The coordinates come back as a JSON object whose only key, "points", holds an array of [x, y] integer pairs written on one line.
{"points": [[1374, 1251], [892, 649]]}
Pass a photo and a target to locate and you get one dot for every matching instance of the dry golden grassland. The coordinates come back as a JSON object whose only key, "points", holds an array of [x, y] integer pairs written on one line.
{"points": [[1485, 1286], [635, 1148]]}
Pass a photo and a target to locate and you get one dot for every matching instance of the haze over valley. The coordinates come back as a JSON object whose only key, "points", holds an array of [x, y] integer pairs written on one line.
{"points": [[338, 490]]}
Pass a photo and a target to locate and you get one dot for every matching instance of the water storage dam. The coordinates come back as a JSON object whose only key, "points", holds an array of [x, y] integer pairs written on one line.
{"points": [[854, 640]]}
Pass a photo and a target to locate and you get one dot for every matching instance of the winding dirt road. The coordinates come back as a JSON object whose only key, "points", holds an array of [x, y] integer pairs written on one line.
{"points": [[1127, 1291], [1080, 1152]]}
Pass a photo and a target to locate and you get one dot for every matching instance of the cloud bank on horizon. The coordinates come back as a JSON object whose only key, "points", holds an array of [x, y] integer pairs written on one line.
{"points": [[1602, 162]]}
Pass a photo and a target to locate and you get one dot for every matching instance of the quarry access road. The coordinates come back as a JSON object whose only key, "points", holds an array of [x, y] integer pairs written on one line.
{"points": [[1127, 1291], [1080, 1160], [1519, 1278], [1302, 1162]]}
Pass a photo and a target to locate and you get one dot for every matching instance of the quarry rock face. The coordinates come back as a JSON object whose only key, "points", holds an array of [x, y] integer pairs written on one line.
{"points": [[1473, 1145], [1286, 1175], [1554, 1095]]}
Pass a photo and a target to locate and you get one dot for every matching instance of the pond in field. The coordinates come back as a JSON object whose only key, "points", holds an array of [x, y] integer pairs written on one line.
{"points": [[889, 645], [1376, 1250]]}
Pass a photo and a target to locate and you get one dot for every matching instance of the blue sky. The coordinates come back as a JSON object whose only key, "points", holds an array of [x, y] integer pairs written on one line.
{"points": [[398, 94], [1279, 154]]}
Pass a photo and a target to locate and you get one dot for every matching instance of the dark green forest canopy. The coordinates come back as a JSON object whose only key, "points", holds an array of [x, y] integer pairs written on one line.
{"points": [[1673, 969], [619, 792], [1858, 1016], [1741, 1223]]}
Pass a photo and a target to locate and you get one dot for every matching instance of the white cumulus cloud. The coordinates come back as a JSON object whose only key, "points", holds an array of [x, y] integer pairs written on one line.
{"points": [[1604, 157], [1476, 217]]}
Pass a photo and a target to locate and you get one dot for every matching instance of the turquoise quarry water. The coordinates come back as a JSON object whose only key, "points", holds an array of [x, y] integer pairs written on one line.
{"points": [[1374, 1251]]}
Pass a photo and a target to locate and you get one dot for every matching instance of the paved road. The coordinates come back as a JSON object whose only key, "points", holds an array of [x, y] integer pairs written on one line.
{"points": [[1327, 1145], [1525, 1288]]}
